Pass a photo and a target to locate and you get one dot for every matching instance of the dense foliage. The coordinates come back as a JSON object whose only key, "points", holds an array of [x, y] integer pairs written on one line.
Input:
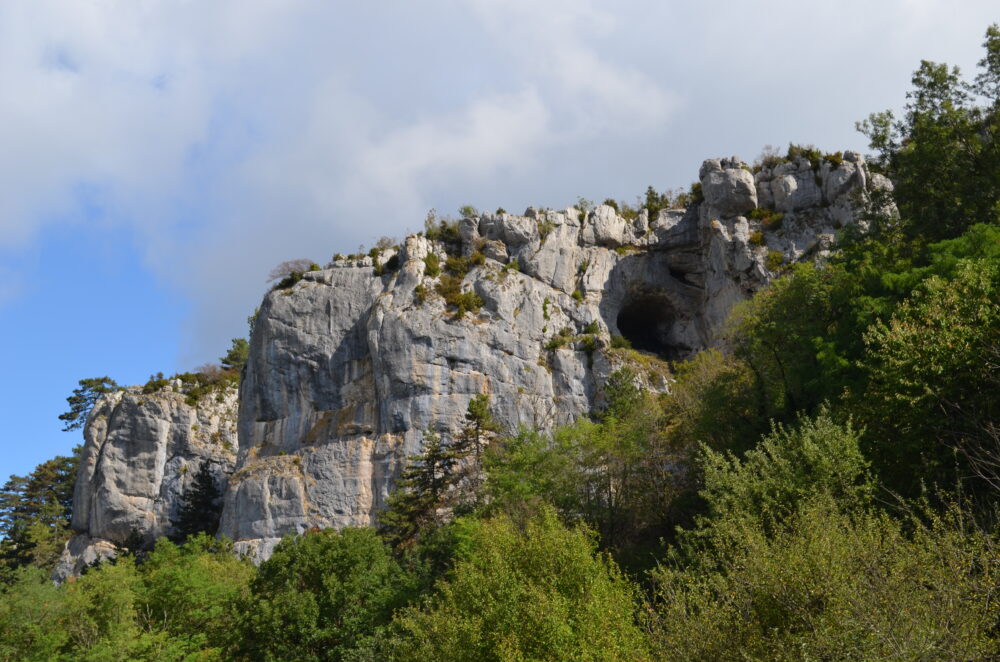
{"points": [[823, 489]]}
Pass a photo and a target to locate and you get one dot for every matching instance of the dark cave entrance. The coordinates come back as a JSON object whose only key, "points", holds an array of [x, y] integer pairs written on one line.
{"points": [[646, 320]]}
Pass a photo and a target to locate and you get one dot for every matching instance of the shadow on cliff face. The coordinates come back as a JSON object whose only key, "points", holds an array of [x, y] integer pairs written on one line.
{"points": [[646, 320], [651, 303]]}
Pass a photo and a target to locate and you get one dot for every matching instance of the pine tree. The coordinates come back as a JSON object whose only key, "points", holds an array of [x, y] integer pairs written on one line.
{"points": [[237, 355], [199, 511], [479, 430], [420, 493], [83, 399], [35, 512]]}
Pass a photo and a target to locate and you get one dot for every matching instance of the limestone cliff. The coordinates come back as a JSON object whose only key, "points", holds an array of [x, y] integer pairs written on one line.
{"points": [[140, 455], [349, 366]]}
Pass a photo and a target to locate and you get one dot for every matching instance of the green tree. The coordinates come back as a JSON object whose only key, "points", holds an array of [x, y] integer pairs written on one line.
{"points": [[793, 562], [200, 508], [237, 355], [187, 594], [83, 399], [418, 499], [35, 513], [934, 385], [325, 595], [534, 590], [943, 155], [830, 585]]}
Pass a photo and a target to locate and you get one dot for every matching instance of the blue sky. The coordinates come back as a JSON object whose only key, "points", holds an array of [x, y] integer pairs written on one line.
{"points": [[161, 156]]}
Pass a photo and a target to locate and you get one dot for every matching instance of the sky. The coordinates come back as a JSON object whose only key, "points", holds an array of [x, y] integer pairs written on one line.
{"points": [[159, 157]]}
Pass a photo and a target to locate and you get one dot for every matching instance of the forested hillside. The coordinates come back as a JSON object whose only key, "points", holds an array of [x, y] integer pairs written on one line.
{"points": [[823, 486]]}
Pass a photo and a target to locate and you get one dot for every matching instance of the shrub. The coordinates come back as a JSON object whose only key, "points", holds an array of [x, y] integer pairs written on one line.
{"points": [[805, 151], [467, 211], [500, 210], [545, 308], [757, 238], [432, 265], [477, 259], [450, 287], [612, 203], [444, 230], [589, 344], [592, 328], [155, 383], [289, 280], [578, 295], [290, 267], [545, 227], [774, 260], [697, 195], [620, 342], [457, 266], [420, 292], [555, 342], [513, 265]]}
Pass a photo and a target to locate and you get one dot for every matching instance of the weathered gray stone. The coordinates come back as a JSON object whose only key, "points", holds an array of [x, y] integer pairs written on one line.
{"points": [[728, 187], [140, 456], [348, 370]]}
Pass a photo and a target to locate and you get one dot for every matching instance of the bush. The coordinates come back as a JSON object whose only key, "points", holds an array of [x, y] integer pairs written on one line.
{"points": [[620, 342], [432, 265], [555, 342], [468, 211], [831, 586], [450, 287], [774, 260], [578, 296], [592, 328], [457, 266], [545, 227], [443, 230]]}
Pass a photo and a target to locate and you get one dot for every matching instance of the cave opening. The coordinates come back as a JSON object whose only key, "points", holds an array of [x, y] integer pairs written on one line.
{"points": [[646, 321]]}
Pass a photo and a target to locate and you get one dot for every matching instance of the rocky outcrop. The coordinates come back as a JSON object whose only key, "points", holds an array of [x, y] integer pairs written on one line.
{"points": [[349, 367], [140, 455]]}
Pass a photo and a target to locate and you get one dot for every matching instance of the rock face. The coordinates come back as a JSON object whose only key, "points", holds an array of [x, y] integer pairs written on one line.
{"points": [[349, 367], [140, 455]]}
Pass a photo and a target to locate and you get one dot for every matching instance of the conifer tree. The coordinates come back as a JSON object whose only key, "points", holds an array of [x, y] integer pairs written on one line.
{"points": [[479, 430], [83, 399], [199, 511], [420, 492]]}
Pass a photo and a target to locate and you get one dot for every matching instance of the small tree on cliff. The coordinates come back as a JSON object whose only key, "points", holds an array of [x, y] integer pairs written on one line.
{"points": [[199, 511], [83, 399]]}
